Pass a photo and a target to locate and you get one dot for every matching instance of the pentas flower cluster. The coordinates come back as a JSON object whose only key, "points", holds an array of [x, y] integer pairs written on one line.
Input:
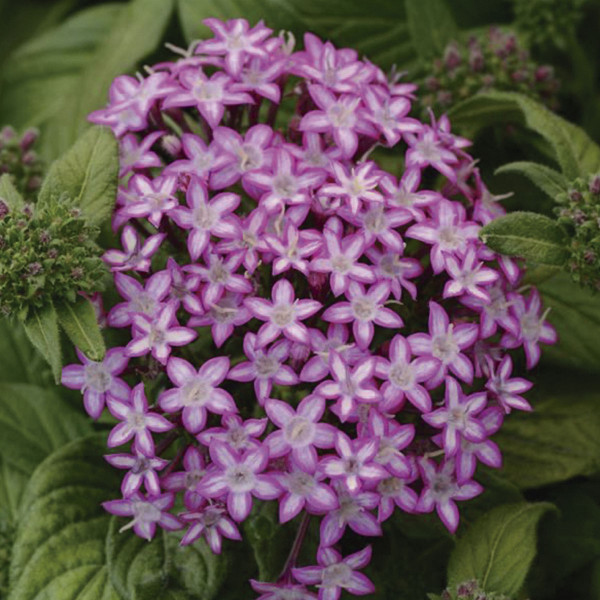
{"points": [[299, 325]]}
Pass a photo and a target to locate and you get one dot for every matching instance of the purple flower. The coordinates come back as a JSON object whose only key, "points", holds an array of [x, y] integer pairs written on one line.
{"points": [[201, 159], [442, 490], [146, 513], [292, 248], [405, 194], [341, 261], [282, 315], [533, 327], [137, 422], [349, 386], [134, 156], [395, 271], [183, 288], [150, 198], [335, 574], [448, 233], [223, 316], [428, 149], [394, 491], [135, 255], [355, 186], [98, 380], [142, 469], [157, 335], [197, 391], [235, 40], [467, 278], [393, 438], [363, 310], [337, 116], [240, 435], [299, 431], [264, 367], [506, 391], [205, 218], [352, 510], [237, 478], [211, 523], [403, 378], [141, 299], [355, 463], [209, 95], [458, 417], [187, 480], [444, 343], [281, 591]]}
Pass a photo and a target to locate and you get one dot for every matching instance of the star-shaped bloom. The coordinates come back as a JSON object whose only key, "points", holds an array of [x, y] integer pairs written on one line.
{"points": [[98, 380], [240, 435], [197, 391], [150, 198], [138, 156], [237, 477], [187, 480], [210, 522], [283, 315], [405, 193], [142, 470], [204, 217], [137, 422], [264, 367], [157, 335], [458, 417], [281, 591], [355, 463], [136, 254], [469, 276], [364, 310], [427, 148], [147, 513], [200, 159], [335, 574], [300, 431], [506, 390], [444, 342]]}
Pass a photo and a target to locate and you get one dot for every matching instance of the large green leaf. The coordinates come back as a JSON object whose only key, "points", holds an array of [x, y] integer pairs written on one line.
{"points": [[377, 29], [575, 312], [431, 27], [59, 550], [34, 422], [557, 441], [529, 235], [575, 152], [54, 81], [498, 549], [79, 322], [548, 180], [19, 361], [9, 193], [41, 327], [87, 174]]}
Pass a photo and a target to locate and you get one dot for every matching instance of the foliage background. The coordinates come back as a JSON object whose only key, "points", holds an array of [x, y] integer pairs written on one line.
{"points": [[57, 59]]}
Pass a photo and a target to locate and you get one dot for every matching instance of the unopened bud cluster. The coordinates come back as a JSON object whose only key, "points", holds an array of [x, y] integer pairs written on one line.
{"points": [[46, 254], [19, 159], [579, 213], [493, 60], [547, 23], [470, 590]]}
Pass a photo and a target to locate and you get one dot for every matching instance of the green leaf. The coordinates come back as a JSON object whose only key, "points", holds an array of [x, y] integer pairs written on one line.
{"points": [[88, 174], [138, 568], [548, 180], [41, 327], [19, 360], [575, 313], [59, 550], [9, 193], [34, 422], [431, 27], [376, 29], [498, 549], [79, 322], [55, 80], [532, 236], [576, 154], [555, 442]]}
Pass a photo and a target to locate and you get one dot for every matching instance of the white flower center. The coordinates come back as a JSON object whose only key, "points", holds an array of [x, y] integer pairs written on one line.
{"points": [[449, 238], [218, 272], [249, 157], [208, 91], [285, 185], [283, 315], [341, 264], [337, 575], [300, 483], [444, 347], [299, 432], [203, 217], [191, 479], [402, 376], [195, 392], [391, 486], [137, 421], [240, 478], [143, 303], [442, 487], [531, 327], [364, 308], [266, 366], [429, 150], [341, 116], [97, 377], [145, 512]]}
